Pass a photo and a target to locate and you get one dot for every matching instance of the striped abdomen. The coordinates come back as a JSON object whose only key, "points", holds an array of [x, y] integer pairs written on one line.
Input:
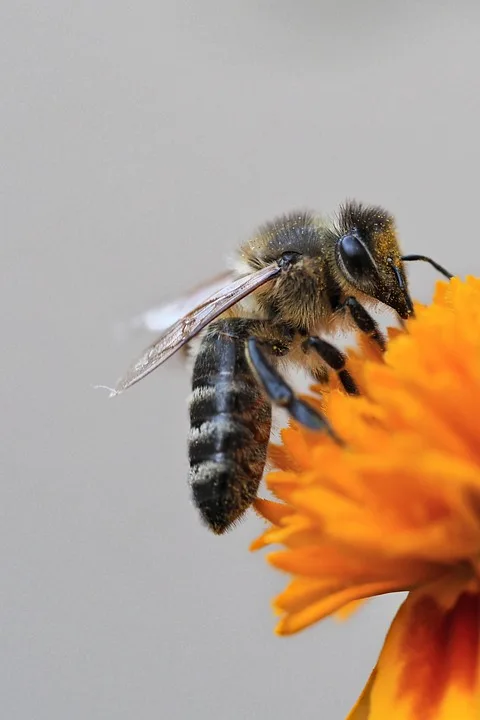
{"points": [[230, 426]]}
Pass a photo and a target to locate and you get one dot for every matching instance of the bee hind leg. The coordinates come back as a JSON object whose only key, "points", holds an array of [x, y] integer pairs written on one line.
{"points": [[335, 359], [280, 393]]}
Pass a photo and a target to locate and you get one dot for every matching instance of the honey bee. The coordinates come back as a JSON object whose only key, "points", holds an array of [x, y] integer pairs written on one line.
{"points": [[298, 278]]}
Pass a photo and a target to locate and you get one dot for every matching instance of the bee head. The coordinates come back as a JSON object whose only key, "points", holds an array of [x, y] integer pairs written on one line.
{"points": [[368, 256]]}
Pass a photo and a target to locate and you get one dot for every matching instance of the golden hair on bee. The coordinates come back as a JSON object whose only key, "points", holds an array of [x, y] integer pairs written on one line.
{"points": [[355, 254]]}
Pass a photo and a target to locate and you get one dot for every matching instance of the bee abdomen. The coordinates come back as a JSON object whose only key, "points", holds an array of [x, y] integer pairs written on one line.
{"points": [[230, 427], [221, 436]]}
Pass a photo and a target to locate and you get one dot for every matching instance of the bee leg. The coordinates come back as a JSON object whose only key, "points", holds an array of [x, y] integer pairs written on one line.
{"points": [[335, 359], [364, 321], [280, 393]]}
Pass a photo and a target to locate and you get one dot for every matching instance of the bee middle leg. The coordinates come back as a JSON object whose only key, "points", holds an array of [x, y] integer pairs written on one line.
{"points": [[335, 359], [279, 391]]}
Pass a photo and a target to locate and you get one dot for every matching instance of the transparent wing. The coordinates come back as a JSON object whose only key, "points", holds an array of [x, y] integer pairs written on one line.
{"points": [[192, 323], [160, 318]]}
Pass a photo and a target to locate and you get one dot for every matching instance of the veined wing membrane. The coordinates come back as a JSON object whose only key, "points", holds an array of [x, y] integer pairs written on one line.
{"points": [[160, 318], [191, 324]]}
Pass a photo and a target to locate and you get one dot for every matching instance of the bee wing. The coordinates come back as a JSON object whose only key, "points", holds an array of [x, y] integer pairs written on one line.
{"points": [[192, 323], [162, 317]]}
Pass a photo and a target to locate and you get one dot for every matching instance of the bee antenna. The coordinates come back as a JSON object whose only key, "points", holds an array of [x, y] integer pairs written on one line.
{"points": [[424, 258]]}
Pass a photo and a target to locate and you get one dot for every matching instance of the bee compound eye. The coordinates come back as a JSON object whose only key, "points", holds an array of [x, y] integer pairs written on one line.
{"points": [[354, 255]]}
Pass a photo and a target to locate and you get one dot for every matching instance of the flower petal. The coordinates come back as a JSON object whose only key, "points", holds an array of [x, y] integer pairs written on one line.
{"points": [[328, 603], [361, 709], [429, 668]]}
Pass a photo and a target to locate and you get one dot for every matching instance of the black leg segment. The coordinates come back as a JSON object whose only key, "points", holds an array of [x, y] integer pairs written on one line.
{"points": [[335, 359], [364, 321], [280, 393]]}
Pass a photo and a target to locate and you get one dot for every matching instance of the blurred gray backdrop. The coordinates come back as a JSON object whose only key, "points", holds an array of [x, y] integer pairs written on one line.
{"points": [[140, 141]]}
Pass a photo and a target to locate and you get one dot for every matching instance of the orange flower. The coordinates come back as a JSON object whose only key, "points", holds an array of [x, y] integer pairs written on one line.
{"points": [[396, 508]]}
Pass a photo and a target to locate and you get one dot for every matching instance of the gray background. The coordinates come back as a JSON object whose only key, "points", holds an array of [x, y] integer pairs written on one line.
{"points": [[140, 142]]}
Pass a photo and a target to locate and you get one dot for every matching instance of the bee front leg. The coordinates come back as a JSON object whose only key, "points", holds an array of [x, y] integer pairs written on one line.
{"points": [[364, 321], [279, 391], [335, 359]]}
